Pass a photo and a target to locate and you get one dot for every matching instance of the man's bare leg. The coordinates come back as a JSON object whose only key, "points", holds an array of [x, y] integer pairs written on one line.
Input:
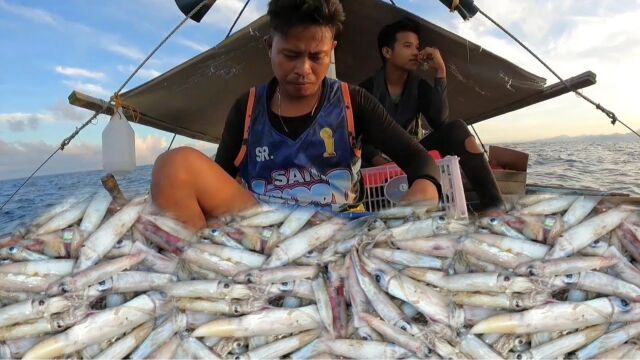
{"points": [[191, 187]]}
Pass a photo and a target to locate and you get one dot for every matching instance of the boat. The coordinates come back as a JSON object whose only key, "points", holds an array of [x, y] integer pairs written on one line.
{"points": [[193, 98]]}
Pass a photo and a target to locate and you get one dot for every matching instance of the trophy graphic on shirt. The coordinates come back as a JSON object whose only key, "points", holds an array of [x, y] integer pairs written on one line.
{"points": [[329, 146]]}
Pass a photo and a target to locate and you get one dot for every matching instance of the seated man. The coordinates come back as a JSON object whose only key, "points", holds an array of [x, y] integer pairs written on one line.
{"points": [[410, 100], [295, 139]]}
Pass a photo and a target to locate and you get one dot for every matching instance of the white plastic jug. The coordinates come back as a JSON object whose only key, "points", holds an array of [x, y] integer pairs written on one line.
{"points": [[118, 145]]}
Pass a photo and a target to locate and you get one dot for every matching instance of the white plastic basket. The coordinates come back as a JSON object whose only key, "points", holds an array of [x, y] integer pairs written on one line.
{"points": [[385, 185], [453, 198]]}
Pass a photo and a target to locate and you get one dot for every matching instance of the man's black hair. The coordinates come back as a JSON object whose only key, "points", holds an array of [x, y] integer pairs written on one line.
{"points": [[387, 35], [287, 14]]}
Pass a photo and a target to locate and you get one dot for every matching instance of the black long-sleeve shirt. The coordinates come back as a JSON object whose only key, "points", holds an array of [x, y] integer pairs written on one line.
{"points": [[433, 104], [372, 124]]}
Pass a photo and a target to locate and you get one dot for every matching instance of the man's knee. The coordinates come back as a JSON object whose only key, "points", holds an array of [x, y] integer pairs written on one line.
{"points": [[179, 156], [176, 166], [456, 129], [472, 146], [452, 137]]}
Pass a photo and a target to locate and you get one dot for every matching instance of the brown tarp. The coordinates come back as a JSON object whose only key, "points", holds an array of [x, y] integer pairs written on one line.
{"points": [[193, 99]]}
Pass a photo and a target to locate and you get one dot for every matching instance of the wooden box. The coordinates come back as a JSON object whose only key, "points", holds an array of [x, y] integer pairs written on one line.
{"points": [[512, 177]]}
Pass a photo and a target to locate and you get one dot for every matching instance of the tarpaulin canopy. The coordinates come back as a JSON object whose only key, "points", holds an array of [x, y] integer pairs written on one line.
{"points": [[193, 99]]}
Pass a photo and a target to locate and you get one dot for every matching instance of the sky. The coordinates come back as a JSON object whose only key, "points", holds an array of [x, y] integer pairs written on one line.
{"points": [[50, 48]]}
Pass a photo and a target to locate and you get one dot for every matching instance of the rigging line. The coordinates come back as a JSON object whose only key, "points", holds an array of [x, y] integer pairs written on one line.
{"points": [[172, 139], [237, 18], [480, 140], [61, 147], [175, 29], [610, 114], [68, 139], [392, 2], [228, 34]]}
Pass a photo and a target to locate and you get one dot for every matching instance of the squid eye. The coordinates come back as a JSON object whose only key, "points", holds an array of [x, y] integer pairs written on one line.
{"points": [[13, 250], [64, 288], [226, 285], [403, 327], [41, 302], [285, 284], [519, 341], [493, 221], [378, 278], [102, 283], [506, 278], [215, 232], [442, 219], [531, 271], [570, 278], [236, 310], [428, 352], [237, 357], [519, 356], [119, 242], [517, 304], [624, 303]]}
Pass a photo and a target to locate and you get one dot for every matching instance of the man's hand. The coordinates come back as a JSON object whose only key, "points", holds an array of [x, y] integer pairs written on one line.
{"points": [[421, 190], [432, 57]]}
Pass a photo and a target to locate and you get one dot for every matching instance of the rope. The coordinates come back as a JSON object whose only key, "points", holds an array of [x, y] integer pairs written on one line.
{"points": [[172, 140], [153, 52], [30, 176], [610, 114], [114, 98], [394, 4], [120, 104], [228, 34], [237, 18]]}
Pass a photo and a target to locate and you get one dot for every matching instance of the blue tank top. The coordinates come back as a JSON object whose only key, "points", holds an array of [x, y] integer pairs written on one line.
{"points": [[319, 168]]}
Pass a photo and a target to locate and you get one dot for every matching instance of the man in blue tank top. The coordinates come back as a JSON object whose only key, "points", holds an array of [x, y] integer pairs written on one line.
{"points": [[294, 140]]}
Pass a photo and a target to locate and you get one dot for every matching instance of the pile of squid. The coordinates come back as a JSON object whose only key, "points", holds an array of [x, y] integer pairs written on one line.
{"points": [[109, 277]]}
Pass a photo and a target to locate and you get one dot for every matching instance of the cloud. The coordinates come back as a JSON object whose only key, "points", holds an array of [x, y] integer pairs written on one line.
{"points": [[63, 111], [145, 73], [88, 88], [128, 51], [221, 15], [192, 44], [148, 148], [79, 72], [19, 159], [30, 13], [22, 125], [20, 122], [572, 37]]}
